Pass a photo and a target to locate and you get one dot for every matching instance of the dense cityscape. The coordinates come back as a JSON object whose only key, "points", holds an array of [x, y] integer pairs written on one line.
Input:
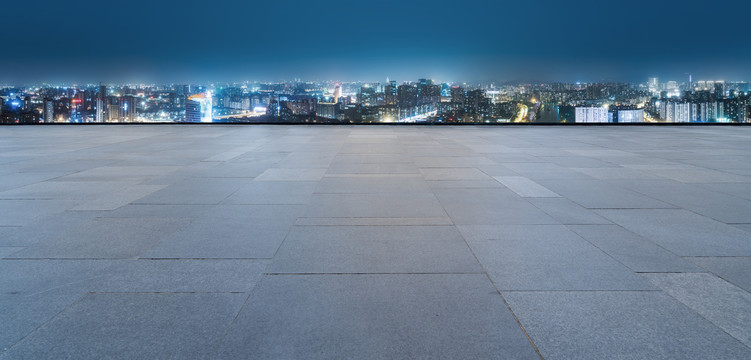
{"points": [[421, 101]]}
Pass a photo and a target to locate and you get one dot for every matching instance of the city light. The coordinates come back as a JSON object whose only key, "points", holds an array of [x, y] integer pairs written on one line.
{"points": [[421, 101]]}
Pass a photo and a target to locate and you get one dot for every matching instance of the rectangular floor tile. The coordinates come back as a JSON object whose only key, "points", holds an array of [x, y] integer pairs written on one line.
{"points": [[291, 174], [736, 270], [401, 316], [207, 191], [567, 212], [683, 232], [374, 205], [116, 238], [718, 301], [374, 249], [273, 193], [525, 187], [489, 206], [634, 251], [230, 231], [546, 257], [133, 325], [208, 275], [619, 325]]}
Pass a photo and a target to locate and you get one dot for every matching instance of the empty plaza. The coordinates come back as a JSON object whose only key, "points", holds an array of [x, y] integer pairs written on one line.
{"points": [[385, 242]]}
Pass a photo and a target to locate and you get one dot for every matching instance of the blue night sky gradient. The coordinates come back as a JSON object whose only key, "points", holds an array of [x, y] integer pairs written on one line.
{"points": [[235, 40]]}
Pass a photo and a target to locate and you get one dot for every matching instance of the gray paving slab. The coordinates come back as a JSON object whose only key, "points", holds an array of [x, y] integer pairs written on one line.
{"points": [[718, 301], [371, 185], [119, 198], [378, 259], [735, 270], [373, 168], [273, 193], [370, 221], [206, 191], [236, 170], [453, 173], [25, 212], [7, 250], [451, 161], [717, 205], [632, 250], [464, 184], [619, 325], [742, 190], [133, 326], [155, 211], [599, 194], [230, 231], [682, 232], [546, 257], [24, 313], [525, 187], [489, 206], [376, 316], [66, 190], [178, 275], [567, 212], [114, 238], [292, 174], [381, 205], [29, 277], [374, 249]]}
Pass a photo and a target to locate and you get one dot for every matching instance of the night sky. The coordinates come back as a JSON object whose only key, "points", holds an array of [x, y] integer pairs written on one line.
{"points": [[449, 40]]}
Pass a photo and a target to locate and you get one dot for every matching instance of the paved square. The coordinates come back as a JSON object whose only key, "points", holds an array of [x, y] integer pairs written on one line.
{"points": [[375, 242]]}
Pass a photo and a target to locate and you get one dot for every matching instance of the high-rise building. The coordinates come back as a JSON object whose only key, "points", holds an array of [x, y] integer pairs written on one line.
{"points": [[407, 95], [630, 116], [367, 95], [457, 95], [390, 92], [198, 108], [591, 114], [719, 89], [48, 113], [76, 108], [101, 104], [337, 93], [326, 110]]}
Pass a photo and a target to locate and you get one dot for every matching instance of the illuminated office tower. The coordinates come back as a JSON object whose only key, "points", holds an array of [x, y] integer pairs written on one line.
{"points": [[326, 110], [337, 93], [101, 104], [76, 109], [457, 95], [48, 113], [591, 115], [198, 108], [128, 106], [719, 89], [390, 91]]}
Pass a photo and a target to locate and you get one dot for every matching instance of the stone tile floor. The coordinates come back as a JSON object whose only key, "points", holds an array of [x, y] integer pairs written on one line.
{"points": [[375, 242]]}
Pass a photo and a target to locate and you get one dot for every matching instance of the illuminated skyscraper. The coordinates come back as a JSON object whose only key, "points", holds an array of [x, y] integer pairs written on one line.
{"points": [[198, 108], [101, 104], [48, 113], [337, 93]]}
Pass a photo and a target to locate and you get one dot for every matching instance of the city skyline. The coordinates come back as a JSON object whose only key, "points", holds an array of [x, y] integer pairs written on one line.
{"points": [[420, 100], [163, 42]]}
